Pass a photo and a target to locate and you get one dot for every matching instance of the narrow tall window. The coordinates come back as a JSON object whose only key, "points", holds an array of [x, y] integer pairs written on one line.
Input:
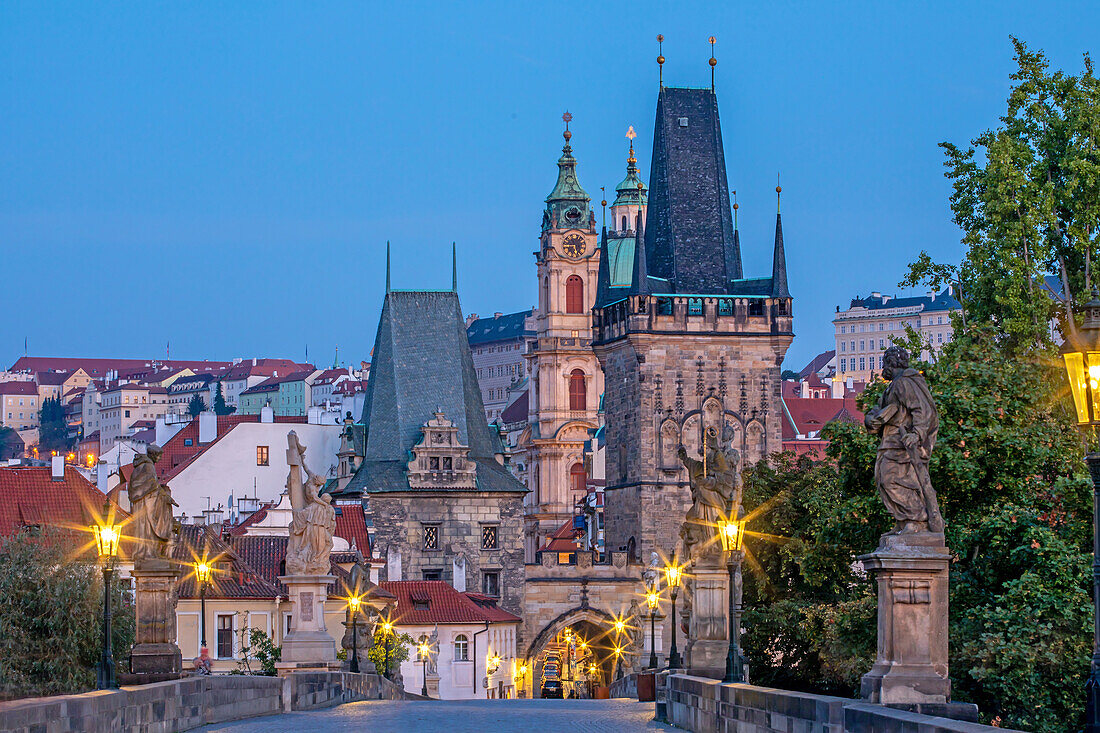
{"points": [[577, 479], [574, 295], [225, 637], [261, 455], [461, 648], [577, 397], [624, 223]]}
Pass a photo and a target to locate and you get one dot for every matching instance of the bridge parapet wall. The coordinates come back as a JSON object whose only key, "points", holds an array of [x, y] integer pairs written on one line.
{"points": [[698, 704], [180, 705]]}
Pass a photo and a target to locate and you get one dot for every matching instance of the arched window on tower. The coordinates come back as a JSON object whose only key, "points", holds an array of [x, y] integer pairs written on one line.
{"points": [[577, 480], [624, 223], [574, 295], [577, 397]]}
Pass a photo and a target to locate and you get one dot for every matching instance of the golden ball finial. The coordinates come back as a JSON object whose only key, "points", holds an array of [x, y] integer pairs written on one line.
{"points": [[640, 185], [778, 189], [567, 135], [603, 203], [735, 206], [713, 61], [661, 60], [660, 38]]}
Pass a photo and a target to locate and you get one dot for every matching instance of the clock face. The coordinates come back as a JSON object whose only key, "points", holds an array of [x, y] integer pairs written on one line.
{"points": [[573, 245]]}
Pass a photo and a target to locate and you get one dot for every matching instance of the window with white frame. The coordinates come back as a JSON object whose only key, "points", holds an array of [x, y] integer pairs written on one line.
{"points": [[462, 648]]}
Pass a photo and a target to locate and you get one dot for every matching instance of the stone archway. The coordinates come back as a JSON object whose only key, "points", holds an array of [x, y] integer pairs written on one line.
{"points": [[590, 629]]}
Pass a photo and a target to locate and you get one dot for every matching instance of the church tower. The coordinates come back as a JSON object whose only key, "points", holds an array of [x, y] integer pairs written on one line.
{"points": [[686, 342], [566, 381]]}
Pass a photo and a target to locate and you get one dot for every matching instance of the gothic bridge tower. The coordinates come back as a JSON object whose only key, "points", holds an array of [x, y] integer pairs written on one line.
{"points": [[566, 382], [687, 342]]}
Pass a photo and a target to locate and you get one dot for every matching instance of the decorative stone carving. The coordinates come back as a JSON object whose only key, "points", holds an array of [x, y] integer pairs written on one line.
{"points": [[906, 418], [152, 525], [715, 491], [911, 563], [314, 521], [440, 460]]}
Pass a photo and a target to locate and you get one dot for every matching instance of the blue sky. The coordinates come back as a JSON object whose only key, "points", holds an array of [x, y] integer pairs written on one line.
{"points": [[224, 176]]}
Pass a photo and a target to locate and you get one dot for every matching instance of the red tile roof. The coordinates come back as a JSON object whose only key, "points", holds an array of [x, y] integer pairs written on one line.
{"points": [[563, 540], [810, 415], [445, 604], [100, 367], [177, 455], [331, 375], [232, 577], [352, 526], [29, 496], [18, 387], [350, 386]]}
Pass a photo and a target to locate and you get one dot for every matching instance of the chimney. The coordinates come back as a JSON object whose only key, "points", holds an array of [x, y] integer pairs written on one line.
{"points": [[253, 361], [876, 295], [57, 468], [498, 314], [267, 414], [208, 427]]}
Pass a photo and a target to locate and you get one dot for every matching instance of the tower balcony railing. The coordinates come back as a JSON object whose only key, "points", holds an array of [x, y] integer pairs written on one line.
{"points": [[558, 343], [763, 315]]}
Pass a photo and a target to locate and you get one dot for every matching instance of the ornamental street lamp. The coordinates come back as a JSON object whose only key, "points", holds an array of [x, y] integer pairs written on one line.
{"points": [[424, 649], [732, 533], [1081, 353], [673, 573], [353, 606], [107, 536], [652, 600], [202, 574], [387, 630], [619, 626]]}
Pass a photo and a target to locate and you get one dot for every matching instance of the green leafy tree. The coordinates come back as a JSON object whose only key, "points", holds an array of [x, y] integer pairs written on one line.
{"points": [[51, 617], [196, 405], [220, 408], [1026, 195], [11, 445], [258, 650], [53, 431], [789, 374], [388, 651]]}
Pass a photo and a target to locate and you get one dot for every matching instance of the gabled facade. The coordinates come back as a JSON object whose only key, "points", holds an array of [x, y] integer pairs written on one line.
{"points": [[442, 504], [689, 344]]}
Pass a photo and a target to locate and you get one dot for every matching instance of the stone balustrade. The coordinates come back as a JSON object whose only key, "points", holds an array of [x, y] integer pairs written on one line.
{"points": [[698, 704], [189, 703]]}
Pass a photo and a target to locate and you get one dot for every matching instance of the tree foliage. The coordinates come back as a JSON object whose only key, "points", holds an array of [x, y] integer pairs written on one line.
{"points": [[51, 609], [196, 405], [1026, 195], [258, 650], [53, 431], [388, 651], [220, 408], [1007, 466]]}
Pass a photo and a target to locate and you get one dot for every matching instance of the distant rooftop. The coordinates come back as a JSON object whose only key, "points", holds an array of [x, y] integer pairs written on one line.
{"points": [[943, 301], [505, 327]]}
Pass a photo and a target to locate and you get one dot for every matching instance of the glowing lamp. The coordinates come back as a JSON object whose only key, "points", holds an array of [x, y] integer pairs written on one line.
{"points": [[732, 534], [107, 536], [202, 572], [1081, 354], [673, 573], [651, 600]]}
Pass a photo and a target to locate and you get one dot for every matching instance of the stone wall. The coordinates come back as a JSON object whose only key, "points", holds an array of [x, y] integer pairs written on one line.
{"points": [[399, 520], [309, 690], [179, 705], [698, 704], [164, 706]]}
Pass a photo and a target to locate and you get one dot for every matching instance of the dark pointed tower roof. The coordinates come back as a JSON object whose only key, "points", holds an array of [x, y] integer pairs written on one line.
{"points": [[779, 262], [689, 229], [640, 284], [603, 277], [422, 364]]}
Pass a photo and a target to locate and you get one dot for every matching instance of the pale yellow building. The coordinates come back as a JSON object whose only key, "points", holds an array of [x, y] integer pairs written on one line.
{"points": [[123, 405]]}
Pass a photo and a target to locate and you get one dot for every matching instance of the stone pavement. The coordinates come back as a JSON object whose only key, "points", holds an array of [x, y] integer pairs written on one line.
{"points": [[460, 716]]}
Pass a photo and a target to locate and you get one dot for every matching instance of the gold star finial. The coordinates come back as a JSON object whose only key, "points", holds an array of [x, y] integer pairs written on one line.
{"points": [[567, 118]]}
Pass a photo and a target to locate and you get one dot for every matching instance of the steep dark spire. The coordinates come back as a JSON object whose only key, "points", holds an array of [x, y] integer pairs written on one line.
{"points": [[640, 282], [387, 266], [603, 279], [454, 268], [779, 262]]}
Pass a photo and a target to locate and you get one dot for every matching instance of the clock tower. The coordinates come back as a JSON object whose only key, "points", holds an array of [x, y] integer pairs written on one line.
{"points": [[566, 381]]}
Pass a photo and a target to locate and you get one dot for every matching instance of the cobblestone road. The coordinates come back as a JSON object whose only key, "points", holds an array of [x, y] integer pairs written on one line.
{"points": [[461, 716]]}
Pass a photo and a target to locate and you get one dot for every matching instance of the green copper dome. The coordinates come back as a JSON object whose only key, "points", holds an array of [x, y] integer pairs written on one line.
{"points": [[567, 206], [632, 191]]}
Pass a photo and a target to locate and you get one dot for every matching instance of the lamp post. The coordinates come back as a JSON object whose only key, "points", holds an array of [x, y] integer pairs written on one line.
{"points": [[652, 600], [353, 606], [673, 572], [619, 626], [424, 649], [732, 533], [387, 629], [202, 574], [1081, 353], [106, 537]]}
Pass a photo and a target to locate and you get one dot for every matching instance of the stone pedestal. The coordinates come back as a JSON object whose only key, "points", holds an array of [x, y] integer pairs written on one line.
{"points": [[155, 651], [911, 664], [308, 645], [708, 641]]}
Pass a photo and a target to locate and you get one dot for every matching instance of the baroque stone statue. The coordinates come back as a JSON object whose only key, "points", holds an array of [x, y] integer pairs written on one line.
{"points": [[152, 524], [906, 418], [314, 518], [651, 576], [715, 490]]}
